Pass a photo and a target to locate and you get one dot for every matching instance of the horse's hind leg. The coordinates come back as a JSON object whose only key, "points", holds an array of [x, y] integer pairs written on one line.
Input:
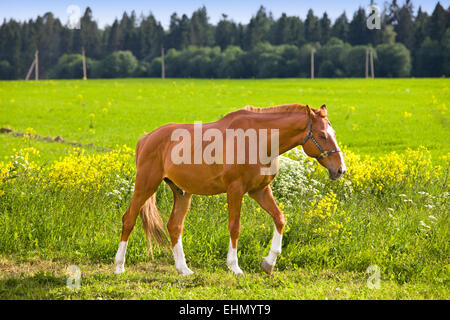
{"points": [[145, 186], [175, 226], [267, 202]]}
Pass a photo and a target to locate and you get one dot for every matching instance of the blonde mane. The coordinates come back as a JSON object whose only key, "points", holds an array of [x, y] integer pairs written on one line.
{"points": [[275, 109]]}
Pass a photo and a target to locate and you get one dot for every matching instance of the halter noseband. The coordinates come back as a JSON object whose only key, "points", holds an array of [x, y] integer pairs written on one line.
{"points": [[323, 153]]}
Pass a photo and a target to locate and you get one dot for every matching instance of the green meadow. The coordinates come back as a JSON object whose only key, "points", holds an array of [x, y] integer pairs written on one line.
{"points": [[390, 211], [370, 117]]}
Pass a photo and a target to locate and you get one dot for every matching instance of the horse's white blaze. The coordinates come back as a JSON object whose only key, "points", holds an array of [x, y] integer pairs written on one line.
{"points": [[331, 133], [232, 260], [180, 260], [119, 260], [275, 248]]}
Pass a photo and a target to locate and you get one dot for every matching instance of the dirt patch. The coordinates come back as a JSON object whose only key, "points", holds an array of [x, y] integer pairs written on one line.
{"points": [[10, 267], [57, 139]]}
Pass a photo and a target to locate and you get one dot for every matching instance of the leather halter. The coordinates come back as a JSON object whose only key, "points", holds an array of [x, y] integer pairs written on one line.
{"points": [[323, 153]]}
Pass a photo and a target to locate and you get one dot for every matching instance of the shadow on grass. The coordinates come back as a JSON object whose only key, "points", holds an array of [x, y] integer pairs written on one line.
{"points": [[37, 286]]}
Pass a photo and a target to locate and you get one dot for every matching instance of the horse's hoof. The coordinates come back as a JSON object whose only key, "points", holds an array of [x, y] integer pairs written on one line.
{"points": [[185, 271], [267, 267], [234, 267], [119, 269], [237, 271]]}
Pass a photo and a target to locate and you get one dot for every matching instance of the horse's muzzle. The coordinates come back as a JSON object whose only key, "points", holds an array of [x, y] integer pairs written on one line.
{"points": [[336, 174]]}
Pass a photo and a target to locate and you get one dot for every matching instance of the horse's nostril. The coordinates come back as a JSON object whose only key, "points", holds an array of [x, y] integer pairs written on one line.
{"points": [[340, 171]]}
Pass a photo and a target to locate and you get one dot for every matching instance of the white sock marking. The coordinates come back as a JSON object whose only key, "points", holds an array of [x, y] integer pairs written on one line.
{"points": [[232, 260], [275, 248], [119, 260], [180, 260]]}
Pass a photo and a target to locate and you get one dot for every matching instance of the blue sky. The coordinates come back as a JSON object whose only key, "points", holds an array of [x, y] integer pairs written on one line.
{"points": [[239, 10]]}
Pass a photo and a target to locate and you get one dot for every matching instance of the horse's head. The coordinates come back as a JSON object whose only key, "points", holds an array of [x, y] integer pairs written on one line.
{"points": [[320, 142]]}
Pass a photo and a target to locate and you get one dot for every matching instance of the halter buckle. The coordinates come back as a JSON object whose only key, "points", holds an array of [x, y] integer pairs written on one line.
{"points": [[323, 155]]}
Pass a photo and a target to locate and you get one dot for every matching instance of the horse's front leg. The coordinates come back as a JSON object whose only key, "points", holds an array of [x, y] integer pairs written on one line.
{"points": [[234, 199], [267, 202]]}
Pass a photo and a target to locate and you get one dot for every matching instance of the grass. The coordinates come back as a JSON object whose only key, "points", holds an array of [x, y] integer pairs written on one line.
{"points": [[38, 279], [403, 228], [370, 117]]}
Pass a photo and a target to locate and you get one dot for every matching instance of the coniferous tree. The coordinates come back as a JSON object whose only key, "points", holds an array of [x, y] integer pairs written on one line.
{"points": [[241, 35], [10, 46], [312, 27], [114, 37], [201, 31], [438, 22], [421, 31], [151, 36], [287, 30], [405, 24], [421, 28], [90, 35], [279, 31], [325, 28], [179, 32], [340, 28], [358, 32], [49, 47], [129, 33], [226, 33], [258, 29], [66, 39], [29, 40], [445, 44]]}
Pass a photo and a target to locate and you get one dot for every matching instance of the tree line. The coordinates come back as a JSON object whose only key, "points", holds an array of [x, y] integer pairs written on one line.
{"points": [[408, 43]]}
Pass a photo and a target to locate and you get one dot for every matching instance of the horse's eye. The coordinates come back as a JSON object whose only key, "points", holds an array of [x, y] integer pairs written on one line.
{"points": [[323, 137]]}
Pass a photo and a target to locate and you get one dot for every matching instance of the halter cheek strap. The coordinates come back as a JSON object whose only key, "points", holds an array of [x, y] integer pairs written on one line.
{"points": [[323, 153]]}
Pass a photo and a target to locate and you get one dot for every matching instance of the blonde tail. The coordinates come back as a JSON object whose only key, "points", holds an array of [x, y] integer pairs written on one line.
{"points": [[153, 224]]}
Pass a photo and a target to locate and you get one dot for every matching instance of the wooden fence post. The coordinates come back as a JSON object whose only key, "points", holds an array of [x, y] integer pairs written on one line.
{"points": [[312, 62], [84, 64], [36, 65], [371, 64], [30, 70]]}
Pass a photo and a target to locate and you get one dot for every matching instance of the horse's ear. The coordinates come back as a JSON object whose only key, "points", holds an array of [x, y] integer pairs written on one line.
{"points": [[323, 111], [309, 111]]}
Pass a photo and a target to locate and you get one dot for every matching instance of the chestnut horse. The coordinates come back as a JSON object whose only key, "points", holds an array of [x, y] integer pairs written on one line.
{"points": [[295, 125]]}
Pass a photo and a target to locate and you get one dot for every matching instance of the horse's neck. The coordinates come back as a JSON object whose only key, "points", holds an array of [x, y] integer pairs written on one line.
{"points": [[291, 128], [292, 131]]}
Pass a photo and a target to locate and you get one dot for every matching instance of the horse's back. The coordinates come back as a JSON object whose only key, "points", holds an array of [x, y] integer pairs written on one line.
{"points": [[156, 148]]}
